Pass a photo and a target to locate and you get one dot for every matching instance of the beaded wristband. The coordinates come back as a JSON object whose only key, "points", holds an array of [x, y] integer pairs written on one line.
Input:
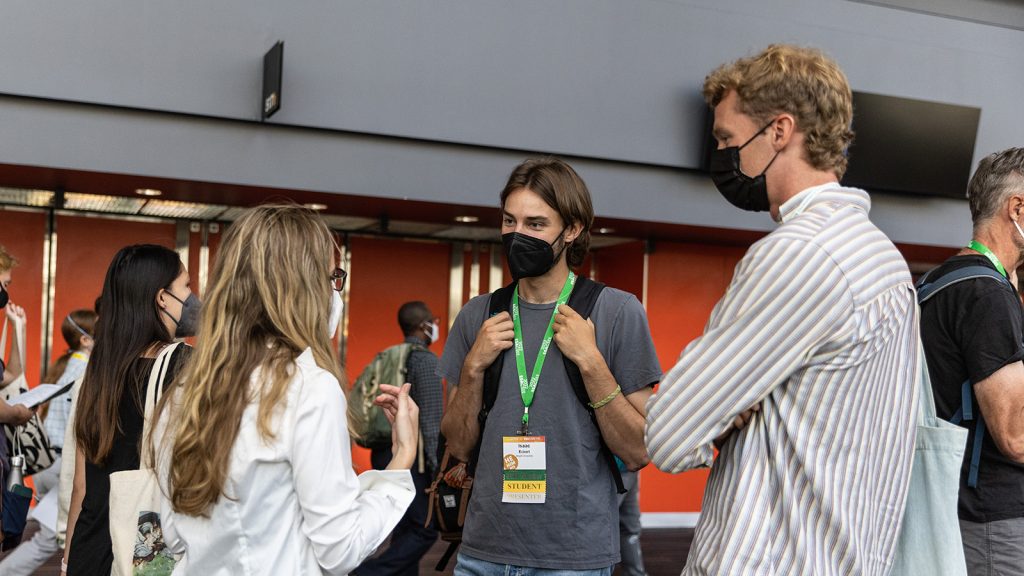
{"points": [[606, 399]]}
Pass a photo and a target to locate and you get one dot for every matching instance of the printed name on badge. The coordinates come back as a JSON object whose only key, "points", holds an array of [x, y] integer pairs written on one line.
{"points": [[524, 470]]}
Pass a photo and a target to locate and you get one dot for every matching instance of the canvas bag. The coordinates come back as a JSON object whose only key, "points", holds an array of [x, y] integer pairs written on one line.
{"points": [[136, 534], [35, 444], [929, 541]]}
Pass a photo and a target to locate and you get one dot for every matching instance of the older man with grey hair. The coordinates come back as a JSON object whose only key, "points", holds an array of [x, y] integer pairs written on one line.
{"points": [[972, 332]]}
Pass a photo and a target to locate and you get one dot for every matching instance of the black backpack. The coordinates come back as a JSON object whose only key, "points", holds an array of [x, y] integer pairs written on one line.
{"points": [[450, 490], [926, 289]]}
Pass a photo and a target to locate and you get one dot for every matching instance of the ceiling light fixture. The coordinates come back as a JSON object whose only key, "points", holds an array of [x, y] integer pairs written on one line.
{"points": [[605, 230], [316, 206], [467, 219], [149, 192]]}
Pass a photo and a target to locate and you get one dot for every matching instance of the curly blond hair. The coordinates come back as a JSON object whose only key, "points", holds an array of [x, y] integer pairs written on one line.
{"points": [[6, 260], [800, 81]]}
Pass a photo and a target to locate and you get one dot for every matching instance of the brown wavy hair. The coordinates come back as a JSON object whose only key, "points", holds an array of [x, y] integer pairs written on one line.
{"points": [[563, 190], [798, 81], [268, 300], [7, 262]]}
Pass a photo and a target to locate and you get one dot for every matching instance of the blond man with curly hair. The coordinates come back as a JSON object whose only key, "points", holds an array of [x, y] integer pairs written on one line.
{"points": [[806, 375]]}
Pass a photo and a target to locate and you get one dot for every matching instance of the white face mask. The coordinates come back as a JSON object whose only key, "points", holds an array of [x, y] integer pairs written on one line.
{"points": [[1019, 231], [337, 307], [431, 331]]}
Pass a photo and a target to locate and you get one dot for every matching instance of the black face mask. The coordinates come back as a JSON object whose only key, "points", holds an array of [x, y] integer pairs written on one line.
{"points": [[741, 190], [529, 257], [4, 297], [188, 323]]}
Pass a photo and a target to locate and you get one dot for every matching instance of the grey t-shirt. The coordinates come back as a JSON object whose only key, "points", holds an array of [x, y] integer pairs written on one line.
{"points": [[577, 528]]}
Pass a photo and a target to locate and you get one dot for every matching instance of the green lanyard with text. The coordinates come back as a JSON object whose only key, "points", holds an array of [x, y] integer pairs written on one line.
{"points": [[981, 248], [528, 384]]}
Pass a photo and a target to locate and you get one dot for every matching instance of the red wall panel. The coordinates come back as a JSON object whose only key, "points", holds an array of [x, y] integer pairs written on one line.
{"points": [[385, 274], [22, 234], [622, 267], [684, 283]]}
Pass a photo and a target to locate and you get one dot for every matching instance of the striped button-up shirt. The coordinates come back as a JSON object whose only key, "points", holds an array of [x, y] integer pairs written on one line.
{"points": [[819, 327]]}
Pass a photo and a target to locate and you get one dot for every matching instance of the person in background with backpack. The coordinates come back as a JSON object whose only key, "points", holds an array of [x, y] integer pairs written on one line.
{"points": [[77, 329], [544, 487], [413, 537], [972, 332]]}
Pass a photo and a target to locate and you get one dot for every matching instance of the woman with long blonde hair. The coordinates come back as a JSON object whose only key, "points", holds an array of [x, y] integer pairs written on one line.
{"points": [[252, 449]]}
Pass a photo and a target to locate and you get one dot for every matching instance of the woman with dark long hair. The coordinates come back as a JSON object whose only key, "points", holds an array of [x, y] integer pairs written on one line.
{"points": [[146, 303]]}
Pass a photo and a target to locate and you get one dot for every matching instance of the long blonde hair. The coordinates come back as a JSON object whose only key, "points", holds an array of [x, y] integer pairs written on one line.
{"points": [[268, 300]]}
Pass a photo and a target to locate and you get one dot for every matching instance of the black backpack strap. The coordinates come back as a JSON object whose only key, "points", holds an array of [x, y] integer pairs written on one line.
{"points": [[582, 300], [500, 301], [926, 289], [447, 556]]}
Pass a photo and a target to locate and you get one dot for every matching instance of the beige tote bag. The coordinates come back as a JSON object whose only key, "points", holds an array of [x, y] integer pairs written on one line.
{"points": [[136, 533]]}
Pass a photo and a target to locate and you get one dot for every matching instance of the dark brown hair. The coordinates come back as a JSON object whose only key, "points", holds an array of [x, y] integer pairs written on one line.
{"points": [[84, 319], [130, 324], [562, 189]]}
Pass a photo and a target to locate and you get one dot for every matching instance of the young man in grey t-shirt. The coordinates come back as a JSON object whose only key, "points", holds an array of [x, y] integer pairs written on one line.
{"points": [[543, 495]]}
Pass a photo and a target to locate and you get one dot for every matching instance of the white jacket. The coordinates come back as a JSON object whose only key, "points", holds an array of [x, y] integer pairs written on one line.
{"points": [[294, 505]]}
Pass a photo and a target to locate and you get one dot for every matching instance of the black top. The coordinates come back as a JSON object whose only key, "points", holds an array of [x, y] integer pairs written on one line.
{"points": [[91, 552], [970, 330]]}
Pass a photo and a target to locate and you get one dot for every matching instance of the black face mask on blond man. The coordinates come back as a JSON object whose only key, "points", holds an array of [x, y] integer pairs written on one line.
{"points": [[745, 192]]}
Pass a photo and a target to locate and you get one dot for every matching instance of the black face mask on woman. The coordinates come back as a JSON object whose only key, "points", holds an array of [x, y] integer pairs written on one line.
{"points": [[529, 257], [188, 323], [742, 191]]}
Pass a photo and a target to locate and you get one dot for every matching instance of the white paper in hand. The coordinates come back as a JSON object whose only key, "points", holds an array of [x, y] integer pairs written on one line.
{"points": [[38, 395]]}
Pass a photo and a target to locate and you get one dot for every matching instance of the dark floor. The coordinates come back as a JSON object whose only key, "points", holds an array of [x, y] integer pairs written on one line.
{"points": [[664, 553]]}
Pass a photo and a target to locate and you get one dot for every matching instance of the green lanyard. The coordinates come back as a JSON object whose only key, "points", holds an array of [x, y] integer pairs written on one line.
{"points": [[528, 385], [979, 247]]}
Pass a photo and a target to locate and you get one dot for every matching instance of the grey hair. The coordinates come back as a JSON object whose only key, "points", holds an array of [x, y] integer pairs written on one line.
{"points": [[998, 175]]}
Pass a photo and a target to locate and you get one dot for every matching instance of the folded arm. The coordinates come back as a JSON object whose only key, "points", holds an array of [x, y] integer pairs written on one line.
{"points": [[778, 310]]}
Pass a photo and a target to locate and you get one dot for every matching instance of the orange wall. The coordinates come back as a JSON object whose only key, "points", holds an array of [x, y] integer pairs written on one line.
{"points": [[22, 234], [684, 283], [385, 274]]}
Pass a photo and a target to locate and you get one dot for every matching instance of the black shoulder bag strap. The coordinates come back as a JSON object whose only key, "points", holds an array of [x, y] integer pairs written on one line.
{"points": [[500, 301], [582, 300], [926, 289]]}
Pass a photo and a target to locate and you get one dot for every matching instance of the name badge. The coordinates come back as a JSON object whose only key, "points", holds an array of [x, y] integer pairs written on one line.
{"points": [[524, 470]]}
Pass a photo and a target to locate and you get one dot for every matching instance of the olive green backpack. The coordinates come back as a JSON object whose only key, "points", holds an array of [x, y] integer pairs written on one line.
{"points": [[368, 423]]}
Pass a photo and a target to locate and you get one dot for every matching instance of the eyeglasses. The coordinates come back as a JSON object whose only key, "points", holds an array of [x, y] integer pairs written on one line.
{"points": [[338, 279]]}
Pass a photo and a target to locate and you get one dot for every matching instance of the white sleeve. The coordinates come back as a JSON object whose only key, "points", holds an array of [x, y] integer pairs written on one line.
{"points": [[344, 517]]}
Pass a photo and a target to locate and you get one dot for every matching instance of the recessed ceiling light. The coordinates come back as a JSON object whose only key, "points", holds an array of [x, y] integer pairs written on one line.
{"points": [[316, 206], [467, 219], [148, 192], [605, 230]]}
